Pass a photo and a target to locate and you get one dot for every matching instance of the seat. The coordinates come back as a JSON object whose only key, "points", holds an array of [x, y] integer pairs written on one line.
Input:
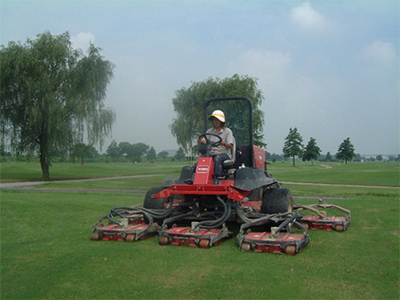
{"points": [[230, 162]]}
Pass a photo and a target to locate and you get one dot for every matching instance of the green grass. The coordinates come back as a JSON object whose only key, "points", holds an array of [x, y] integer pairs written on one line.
{"points": [[340, 191], [360, 172], [139, 183], [31, 171], [144, 183], [367, 173], [46, 253]]}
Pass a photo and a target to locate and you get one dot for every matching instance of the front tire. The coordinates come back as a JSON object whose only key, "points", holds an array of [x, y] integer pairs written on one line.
{"points": [[157, 203], [276, 201]]}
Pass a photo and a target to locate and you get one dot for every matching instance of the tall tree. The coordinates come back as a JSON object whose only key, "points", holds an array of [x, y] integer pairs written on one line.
{"points": [[82, 151], [52, 94], [346, 150], [293, 145], [125, 149], [180, 154], [163, 154], [189, 102], [151, 155], [138, 150], [312, 151], [113, 150]]}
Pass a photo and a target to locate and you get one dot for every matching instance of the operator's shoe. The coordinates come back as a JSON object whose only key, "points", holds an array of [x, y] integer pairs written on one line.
{"points": [[218, 178]]}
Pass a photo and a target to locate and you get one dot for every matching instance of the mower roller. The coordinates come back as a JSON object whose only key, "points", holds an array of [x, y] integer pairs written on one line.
{"points": [[195, 208]]}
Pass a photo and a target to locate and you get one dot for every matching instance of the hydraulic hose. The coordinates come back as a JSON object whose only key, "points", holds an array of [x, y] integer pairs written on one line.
{"points": [[126, 211], [176, 218], [241, 214], [221, 220], [285, 217], [156, 213]]}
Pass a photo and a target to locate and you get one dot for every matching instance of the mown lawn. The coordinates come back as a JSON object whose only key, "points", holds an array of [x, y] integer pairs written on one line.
{"points": [[46, 253], [313, 174], [366, 173], [23, 171]]}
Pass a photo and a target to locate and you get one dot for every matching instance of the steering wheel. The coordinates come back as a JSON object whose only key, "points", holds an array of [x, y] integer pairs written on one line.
{"points": [[209, 142]]}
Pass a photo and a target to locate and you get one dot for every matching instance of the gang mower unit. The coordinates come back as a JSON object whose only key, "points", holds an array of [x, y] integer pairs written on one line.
{"points": [[320, 220], [196, 208]]}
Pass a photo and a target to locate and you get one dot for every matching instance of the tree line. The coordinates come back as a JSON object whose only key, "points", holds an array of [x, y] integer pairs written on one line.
{"points": [[136, 152], [294, 147], [122, 152], [139, 152]]}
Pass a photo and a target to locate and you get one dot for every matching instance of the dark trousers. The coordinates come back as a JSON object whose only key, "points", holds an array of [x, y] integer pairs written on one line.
{"points": [[218, 162]]}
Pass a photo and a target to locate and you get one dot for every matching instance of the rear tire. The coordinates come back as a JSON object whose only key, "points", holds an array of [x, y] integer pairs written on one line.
{"points": [[158, 203], [277, 201]]}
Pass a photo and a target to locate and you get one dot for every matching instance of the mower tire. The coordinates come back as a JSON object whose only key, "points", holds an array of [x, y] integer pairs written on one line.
{"points": [[158, 203], [276, 201]]}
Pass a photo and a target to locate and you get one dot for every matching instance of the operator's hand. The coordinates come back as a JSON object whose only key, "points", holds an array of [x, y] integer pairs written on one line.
{"points": [[227, 145], [201, 141]]}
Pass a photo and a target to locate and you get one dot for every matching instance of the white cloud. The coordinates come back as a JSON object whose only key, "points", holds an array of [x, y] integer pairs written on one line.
{"points": [[82, 40], [381, 53], [268, 66], [308, 18]]}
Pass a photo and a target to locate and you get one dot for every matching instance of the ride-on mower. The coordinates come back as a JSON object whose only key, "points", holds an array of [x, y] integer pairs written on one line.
{"points": [[195, 208]]}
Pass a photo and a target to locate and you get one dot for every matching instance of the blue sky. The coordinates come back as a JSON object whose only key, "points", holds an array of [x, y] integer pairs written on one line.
{"points": [[329, 68]]}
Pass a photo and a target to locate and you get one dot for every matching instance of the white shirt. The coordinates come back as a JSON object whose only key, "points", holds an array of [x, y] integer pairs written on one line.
{"points": [[226, 135]]}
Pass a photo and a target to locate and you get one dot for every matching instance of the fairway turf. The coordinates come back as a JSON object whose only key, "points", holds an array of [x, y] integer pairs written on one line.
{"points": [[366, 173], [46, 251], [47, 254], [12, 171]]}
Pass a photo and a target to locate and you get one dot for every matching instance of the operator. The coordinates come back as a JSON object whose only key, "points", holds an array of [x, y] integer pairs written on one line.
{"points": [[223, 151]]}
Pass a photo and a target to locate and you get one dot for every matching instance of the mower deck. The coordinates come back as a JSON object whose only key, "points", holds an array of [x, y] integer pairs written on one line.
{"points": [[327, 223], [279, 238], [287, 243], [194, 237], [320, 220], [135, 229]]}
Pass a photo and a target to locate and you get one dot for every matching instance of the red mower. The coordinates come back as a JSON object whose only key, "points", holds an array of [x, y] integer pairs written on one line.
{"points": [[195, 208]]}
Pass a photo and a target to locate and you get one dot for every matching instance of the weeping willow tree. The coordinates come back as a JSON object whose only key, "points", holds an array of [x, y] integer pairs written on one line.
{"points": [[51, 95], [189, 104]]}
